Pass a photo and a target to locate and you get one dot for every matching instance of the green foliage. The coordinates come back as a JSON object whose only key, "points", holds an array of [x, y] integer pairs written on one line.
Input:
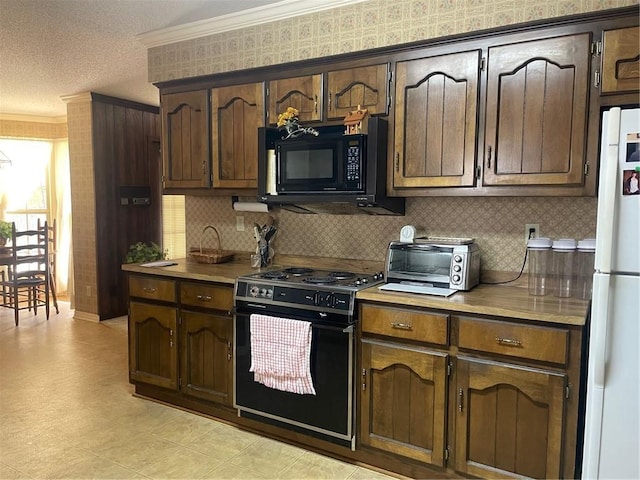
{"points": [[5, 229], [144, 252]]}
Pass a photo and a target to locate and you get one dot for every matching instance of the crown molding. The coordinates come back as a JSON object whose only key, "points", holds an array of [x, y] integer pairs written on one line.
{"points": [[83, 97], [18, 117], [235, 21]]}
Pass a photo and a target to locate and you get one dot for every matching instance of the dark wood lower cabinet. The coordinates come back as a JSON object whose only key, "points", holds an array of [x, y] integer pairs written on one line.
{"points": [[509, 420], [206, 353], [153, 353], [403, 402]]}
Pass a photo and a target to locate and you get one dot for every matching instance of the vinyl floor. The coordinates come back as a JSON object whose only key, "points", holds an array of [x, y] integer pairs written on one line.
{"points": [[67, 411]]}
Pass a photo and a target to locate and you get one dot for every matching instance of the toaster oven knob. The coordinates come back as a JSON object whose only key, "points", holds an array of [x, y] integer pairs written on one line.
{"points": [[457, 258], [457, 268], [456, 278]]}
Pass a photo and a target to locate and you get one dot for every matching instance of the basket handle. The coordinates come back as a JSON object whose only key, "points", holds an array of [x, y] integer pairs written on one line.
{"points": [[217, 236]]}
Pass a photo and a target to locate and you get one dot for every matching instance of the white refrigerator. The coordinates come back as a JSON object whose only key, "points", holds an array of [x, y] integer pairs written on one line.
{"points": [[612, 424]]}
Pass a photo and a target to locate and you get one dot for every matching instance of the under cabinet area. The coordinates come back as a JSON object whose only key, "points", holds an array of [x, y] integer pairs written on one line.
{"points": [[181, 337]]}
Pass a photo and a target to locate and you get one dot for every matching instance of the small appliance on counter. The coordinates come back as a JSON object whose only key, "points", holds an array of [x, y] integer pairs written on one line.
{"points": [[432, 265]]}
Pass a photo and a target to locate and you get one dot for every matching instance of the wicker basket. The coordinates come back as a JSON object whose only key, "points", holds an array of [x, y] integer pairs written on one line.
{"points": [[210, 255]]}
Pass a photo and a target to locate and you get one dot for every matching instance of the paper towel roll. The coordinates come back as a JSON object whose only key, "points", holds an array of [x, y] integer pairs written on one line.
{"points": [[250, 207], [271, 172]]}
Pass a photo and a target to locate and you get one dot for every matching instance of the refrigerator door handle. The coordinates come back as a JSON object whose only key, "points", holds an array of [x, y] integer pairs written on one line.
{"points": [[599, 328], [608, 191]]}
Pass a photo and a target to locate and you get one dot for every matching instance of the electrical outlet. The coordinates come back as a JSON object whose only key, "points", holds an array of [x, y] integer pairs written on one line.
{"points": [[239, 223], [528, 228]]}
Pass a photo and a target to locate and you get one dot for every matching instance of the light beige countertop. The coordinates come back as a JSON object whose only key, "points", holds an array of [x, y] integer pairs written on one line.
{"points": [[500, 301]]}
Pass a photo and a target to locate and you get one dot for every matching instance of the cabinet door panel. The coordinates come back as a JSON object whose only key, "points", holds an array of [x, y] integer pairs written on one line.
{"points": [[206, 354], [435, 121], [238, 112], [185, 153], [367, 87], [403, 401], [621, 60], [301, 93], [537, 97], [509, 420], [153, 354]]}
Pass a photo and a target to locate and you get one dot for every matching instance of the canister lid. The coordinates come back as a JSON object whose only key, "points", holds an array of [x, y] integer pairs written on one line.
{"points": [[565, 244], [540, 243], [587, 245]]}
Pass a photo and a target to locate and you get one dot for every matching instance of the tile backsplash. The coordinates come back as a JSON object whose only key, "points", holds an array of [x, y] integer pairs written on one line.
{"points": [[497, 224]]}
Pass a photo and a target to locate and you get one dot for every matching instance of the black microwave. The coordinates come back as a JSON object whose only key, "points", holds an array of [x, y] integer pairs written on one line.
{"points": [[327, 173], [329, 163]]}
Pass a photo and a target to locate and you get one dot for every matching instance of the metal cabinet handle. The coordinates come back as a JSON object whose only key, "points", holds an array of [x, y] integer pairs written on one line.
{"points": [[364, 379], [315, 103], [397, 162], [460, 399], [149, 289], [402, 326], [204, 298], [329, 102], [489, 157], [509, 342], [171, 338], [229, 351]]}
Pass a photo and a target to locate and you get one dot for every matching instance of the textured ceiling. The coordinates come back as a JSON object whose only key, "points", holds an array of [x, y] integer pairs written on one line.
{"points": [[53, 48]]}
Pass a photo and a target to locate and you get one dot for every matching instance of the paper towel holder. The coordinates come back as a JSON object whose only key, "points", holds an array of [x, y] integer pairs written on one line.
{"points": [[253, 206]]}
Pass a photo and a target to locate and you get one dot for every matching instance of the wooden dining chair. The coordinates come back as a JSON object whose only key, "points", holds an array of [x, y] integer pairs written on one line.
{"points": [[50, 231], [26, 283]]}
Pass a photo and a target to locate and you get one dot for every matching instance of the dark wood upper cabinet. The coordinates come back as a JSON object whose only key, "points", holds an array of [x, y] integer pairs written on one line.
{"points": [[621, 60], [302, 93], [367, 87], [435, 118], [185, 133], [536, 111], [237, 113]]}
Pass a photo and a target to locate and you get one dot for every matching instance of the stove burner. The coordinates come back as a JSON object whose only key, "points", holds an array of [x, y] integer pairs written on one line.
{"points": [[298, 271], [320, 280], [274, 275], [341, 275]]}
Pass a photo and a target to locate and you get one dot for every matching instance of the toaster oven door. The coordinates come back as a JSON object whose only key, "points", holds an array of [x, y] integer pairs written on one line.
{"points": [[419, 263]]}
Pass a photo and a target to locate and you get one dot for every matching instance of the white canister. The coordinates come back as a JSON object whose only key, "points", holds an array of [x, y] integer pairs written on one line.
{"points": [[563, 253], [583, 268], [539, 253]]}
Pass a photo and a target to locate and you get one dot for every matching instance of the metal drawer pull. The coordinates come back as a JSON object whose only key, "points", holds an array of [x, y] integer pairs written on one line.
{"points": [[149, 289], [508, 341], [402, 326], [204, 298]]}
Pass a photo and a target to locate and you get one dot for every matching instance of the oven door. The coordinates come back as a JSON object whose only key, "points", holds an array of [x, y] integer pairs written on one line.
{"points": [[329, 413]]}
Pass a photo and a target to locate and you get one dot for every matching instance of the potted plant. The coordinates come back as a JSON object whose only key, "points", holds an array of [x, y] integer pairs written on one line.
{"points": [[145, 252], [5, 232]]}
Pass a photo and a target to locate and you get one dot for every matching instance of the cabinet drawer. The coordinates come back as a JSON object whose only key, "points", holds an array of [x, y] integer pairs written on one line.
{"points": [[216, 297], [152, 288], [407, 324], [515, 340]]}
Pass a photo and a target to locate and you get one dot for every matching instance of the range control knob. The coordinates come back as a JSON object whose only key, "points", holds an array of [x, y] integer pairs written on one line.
{"points": [[330, 300], [254, 291], [378, 276]]}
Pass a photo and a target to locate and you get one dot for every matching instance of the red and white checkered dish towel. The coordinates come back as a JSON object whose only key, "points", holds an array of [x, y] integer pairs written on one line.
{"points": [[280, 353]]}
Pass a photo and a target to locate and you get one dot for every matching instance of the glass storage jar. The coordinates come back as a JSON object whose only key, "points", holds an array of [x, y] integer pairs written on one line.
{"points": [[539, 252], [563, 253]]}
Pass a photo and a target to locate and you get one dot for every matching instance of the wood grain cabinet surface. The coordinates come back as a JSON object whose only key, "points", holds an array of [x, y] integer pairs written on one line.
{"points": [[185, 139], [621, 60], [509, 420], [434, 137], [536, 112], [365, 87], [302, 93], [237, 111]]}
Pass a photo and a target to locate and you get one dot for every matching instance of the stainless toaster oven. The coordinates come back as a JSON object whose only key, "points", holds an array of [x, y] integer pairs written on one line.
{"points": [[452, 263]]}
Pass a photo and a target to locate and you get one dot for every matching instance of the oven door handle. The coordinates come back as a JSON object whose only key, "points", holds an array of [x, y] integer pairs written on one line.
{"points": [[348, 329]]}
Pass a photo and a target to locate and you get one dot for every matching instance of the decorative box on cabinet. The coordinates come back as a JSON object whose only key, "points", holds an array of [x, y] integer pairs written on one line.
{"points": [[185, 139], [621, 60]]}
